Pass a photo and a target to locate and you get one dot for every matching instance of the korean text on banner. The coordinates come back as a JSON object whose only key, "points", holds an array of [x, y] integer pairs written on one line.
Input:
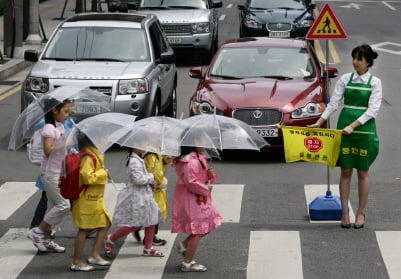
{"points": [[311, 145]]}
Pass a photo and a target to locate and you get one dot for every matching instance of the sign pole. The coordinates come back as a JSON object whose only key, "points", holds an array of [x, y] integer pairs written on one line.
{"points": [[326, 26]]}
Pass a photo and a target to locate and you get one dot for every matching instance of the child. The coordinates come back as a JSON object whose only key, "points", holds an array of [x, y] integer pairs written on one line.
{"points": [[135, 206], [156, 164], [193, 212], [89, 211], [52, 139]]}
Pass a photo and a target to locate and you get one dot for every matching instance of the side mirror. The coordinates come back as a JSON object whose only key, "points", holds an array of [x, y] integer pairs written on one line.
{"points": [[196, 72], [31, 55], [217, 4], [331, 72], [167, 57]]}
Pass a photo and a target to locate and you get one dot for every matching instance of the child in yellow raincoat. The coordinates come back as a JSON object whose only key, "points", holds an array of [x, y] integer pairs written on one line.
{"points": [[89, 210], [156, 164]]}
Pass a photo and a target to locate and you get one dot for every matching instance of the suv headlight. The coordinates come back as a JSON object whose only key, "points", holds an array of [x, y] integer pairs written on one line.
{"points": [[133, 86], [310, 110], [36, 84], [202, 27], [304, 23]]}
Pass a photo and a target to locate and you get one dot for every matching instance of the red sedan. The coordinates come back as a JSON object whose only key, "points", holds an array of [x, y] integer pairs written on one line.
{"points": [[264, 82]]}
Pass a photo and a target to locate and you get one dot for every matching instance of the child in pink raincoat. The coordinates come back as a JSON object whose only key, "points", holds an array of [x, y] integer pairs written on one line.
{"points": [[193, 212]]}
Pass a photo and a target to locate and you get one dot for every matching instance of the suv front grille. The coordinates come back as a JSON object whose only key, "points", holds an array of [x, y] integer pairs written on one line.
{"points": [[258, 117], [279, 27], [102, 89], [177, 29]]}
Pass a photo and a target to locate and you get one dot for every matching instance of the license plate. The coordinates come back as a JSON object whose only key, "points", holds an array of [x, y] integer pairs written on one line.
{"points": [[268, 133], [279, 34], [174, 40], [86, 108]]}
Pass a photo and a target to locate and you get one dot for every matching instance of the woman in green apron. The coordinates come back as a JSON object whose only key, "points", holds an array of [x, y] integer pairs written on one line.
{"points": [[360, 93]]}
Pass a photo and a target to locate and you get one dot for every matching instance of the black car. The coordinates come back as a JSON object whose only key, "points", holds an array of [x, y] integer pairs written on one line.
{"points": [[276, 18], [123, 5]]}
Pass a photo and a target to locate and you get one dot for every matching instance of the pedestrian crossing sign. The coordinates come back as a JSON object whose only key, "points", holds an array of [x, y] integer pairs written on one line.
{"points": [[326, 26]]}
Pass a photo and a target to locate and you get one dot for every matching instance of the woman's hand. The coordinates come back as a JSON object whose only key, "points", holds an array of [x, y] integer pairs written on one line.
{"points": [[347, 130]]}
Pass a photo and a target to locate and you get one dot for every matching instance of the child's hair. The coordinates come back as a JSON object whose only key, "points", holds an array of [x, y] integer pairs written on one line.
{"points": [[48, 106], [366, 52], [83, 141]]}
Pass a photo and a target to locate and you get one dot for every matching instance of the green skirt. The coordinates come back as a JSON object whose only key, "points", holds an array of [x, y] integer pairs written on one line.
{"points": [[358, 150]]}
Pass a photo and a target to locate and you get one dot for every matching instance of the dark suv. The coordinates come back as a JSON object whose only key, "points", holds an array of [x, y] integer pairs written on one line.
{"points": [[126, 56]]}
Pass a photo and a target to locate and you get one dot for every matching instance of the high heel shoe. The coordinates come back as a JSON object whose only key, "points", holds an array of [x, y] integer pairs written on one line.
{"points": [[360, 226], [346, 225]]}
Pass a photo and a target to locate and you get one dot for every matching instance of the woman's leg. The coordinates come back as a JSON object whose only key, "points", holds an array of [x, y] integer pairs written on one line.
{"points": [[363, 193], [345, 184], [79, 245]]}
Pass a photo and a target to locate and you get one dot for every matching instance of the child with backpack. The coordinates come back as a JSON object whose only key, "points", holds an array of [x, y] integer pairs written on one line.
{"points": [[89, 210], [135, 206], [53, 145]]}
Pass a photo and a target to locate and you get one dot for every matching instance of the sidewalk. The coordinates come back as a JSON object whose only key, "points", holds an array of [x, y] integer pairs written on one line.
{"points": [[50, 12]]}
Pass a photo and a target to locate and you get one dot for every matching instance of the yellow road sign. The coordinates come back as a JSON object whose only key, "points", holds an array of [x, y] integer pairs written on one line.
{"points": [[326, 26]]}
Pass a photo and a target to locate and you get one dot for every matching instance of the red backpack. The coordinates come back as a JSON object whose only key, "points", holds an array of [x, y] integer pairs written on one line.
{"points": [[69, 180]]}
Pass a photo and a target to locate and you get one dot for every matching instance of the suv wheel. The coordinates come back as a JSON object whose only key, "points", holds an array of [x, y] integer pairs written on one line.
{"points": [[171, 110]]}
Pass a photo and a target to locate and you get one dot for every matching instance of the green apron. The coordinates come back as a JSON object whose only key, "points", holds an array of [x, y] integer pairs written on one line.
{"points": [[357, 150]]}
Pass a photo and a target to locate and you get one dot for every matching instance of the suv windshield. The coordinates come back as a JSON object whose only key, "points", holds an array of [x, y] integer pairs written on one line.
{"points": [[196, 4], [98, 43]]}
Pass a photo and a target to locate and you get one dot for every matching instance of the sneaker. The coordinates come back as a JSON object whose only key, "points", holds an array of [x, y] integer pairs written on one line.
{"points": [[137, 236], [54, 247], [38, 239], [158, 241]]}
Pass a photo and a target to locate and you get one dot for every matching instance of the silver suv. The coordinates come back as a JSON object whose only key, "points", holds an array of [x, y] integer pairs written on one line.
{"points": [[126, 56], [189, 24]]}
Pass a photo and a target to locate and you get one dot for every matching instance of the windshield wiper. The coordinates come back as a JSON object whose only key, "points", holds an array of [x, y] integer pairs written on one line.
{"points": [[183, 7], [99, 59], [278, 77], [57, 59], [154, 8], [224, 76]]}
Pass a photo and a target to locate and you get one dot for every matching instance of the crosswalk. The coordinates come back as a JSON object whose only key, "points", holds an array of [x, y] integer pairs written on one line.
{"points": [[271, 254]]}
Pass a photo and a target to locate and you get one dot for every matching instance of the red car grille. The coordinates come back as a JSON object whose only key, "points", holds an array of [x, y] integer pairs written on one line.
{"points": [[258, 117]]}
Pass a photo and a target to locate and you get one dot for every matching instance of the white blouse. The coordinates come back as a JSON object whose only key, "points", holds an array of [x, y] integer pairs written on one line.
{"points": [[338, 95]]}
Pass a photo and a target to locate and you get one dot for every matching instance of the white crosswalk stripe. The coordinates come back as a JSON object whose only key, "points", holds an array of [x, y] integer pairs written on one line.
{"points": [[13, 195], [272, 254]]}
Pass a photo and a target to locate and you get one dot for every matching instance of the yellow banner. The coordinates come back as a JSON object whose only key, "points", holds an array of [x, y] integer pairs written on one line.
{"points": [[311, 145]]}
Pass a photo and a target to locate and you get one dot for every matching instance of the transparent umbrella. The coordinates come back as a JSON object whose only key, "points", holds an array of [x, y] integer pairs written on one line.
{"points": [[221, 132], [102, 129], [30, 118], [159, 134]]}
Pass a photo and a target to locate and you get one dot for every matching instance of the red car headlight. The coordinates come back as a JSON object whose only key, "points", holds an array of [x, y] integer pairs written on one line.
{"points": [[310, 110]]}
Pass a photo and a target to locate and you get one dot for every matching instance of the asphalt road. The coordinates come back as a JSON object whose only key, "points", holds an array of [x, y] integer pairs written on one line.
{"points": [[274, 196]]}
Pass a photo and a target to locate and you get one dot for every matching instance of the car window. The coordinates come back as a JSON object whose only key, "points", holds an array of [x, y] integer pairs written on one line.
{"points": [[98, 43], [246, 62], [263, 4], [198, 4], [158, 42]]}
